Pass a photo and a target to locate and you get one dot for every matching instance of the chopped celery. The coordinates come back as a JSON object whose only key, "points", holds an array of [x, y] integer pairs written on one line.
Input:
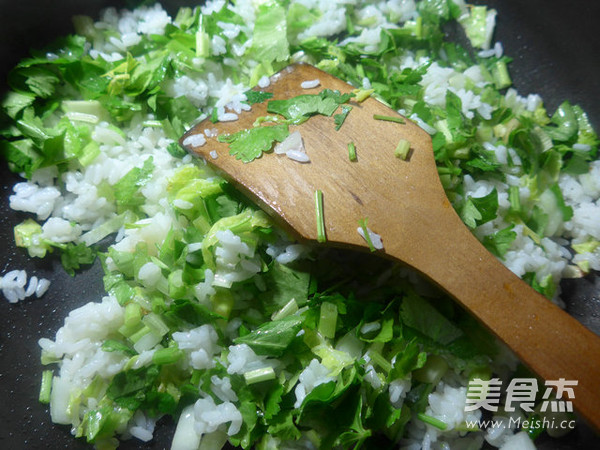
{"points": [[46, 387], [259, 375], [362, 94], [28, 234], [321, 236], [402, 149], [166, 356], [380, 361], [328, 320], [155, 324], [288, 309], [352, 151]]}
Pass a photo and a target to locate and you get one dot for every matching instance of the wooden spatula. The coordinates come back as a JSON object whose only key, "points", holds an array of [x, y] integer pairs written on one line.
{"points": [[406, 205]]}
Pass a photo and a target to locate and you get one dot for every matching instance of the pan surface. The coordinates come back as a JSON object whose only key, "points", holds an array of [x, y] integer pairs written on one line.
{"points": [[556, 50]]}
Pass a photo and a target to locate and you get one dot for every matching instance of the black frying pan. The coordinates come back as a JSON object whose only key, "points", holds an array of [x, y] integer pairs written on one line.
{"points": [[556, 47]]}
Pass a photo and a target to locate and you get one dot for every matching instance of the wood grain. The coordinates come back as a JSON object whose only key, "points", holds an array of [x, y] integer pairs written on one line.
{"points": [[405, 203]]}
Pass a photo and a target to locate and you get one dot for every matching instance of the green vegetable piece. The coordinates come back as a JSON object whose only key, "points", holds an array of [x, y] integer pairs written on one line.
{"points": [[175, 150], [288, 309], [476, 26], [259, 375], [46, 387], [127, 188], [73, 256], [110, 345], [500, 242], [380, 361], [564, 123], [40, 81], [274, 337], [321, 236], [432, 371], [586, 247], [352, 152], [388, 118], [362, 94], [299, 109], [385, 334], [417, 313], [165, 356], [28, 234], [334, 360], [501, 75], [253, 97], [340, 118], [402, 149], [328, 320], [128, 389], [285, 285], [362, 223], [409, 359], [183, 310], [269, 42], [437, 423], [247, 145], [477, 211], [15, 102]]}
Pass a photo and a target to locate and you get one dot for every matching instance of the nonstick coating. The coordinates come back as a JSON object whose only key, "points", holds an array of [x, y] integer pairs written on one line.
{"points": [[556, 52]]}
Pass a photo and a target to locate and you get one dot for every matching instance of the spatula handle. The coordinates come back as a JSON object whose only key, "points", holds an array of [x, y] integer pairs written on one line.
{"points": [[548, 340]]}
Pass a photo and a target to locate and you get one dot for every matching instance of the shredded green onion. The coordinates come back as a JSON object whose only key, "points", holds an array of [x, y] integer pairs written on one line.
{"points": [[388, 118], [321, 237], [437, 423], [363, 224]]}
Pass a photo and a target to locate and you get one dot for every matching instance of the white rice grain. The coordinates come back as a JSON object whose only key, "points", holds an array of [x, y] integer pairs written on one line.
{"points": [[32, 286], [182, 204], [42, 287], [582, 147], [264, 82], [195, 140], [149, 274], [211, 132], [310, 84], [297, 155], [228, 117]]}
